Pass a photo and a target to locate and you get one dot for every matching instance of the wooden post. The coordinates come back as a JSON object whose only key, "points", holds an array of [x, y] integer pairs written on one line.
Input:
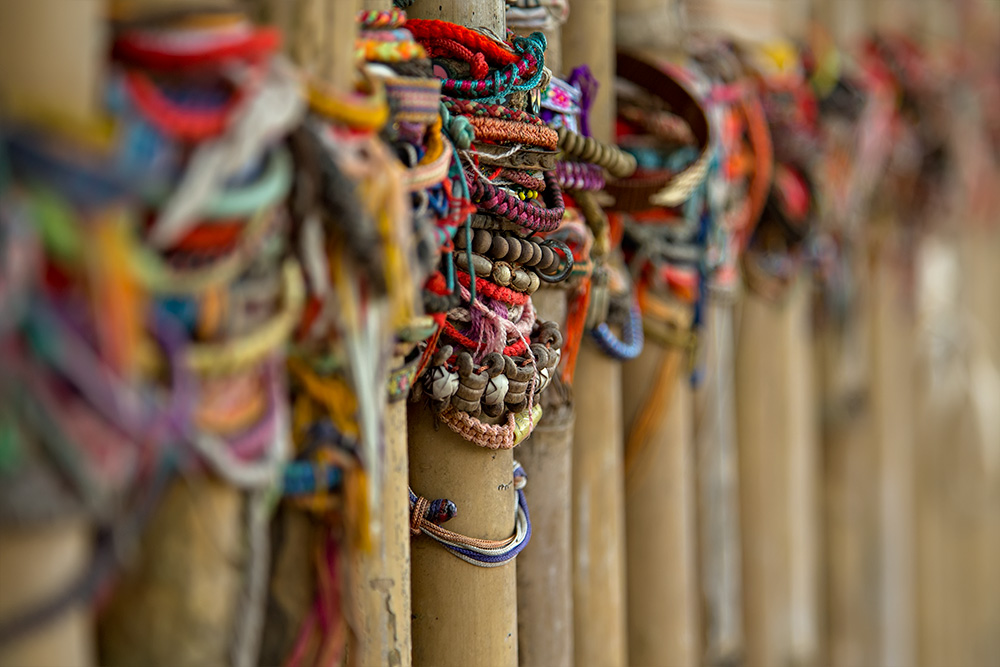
{"points": [[544, 571], [463, 615], [663, 600], [197, 546], [717, 464], [599, 629], [51, 54]]}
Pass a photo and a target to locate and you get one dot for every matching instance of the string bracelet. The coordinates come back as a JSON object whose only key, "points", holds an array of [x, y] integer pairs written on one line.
{"points": [[426, 515]]}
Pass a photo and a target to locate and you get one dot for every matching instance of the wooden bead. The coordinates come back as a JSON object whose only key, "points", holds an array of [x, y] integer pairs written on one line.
{"points": [[481, 241], [514, 251], [534, 282], [521, 280], [499, 247], [528, 252], [460, 239], [549, 260]]}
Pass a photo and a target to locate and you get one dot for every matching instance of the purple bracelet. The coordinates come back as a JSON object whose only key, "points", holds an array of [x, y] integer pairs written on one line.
{"points": [[525, 213], [579, 176]]}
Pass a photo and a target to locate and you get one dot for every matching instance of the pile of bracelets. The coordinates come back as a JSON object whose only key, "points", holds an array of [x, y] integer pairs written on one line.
{"points": [[157, 290], [777, 248], [491, 358]]}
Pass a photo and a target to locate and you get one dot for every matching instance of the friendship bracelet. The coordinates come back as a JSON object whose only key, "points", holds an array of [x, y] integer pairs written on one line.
{"points": [[527, 214], [376, 50], [514, 77], [175, 120], [494, 130], [361, 112], [473, 108], [425, 515], [394, 18]]}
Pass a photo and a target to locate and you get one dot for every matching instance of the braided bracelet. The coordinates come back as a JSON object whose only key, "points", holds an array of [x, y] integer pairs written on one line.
{"points": [[630, 345], [494, 130], [150, 50], [476, 109], [618, 163], [512, 78], [493, 199], [425, 30], [425, 515], [394, 18], [579, 176]]}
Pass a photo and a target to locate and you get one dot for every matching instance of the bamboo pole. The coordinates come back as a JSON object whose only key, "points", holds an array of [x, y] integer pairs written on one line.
{"points": [[544, 572], [51, 55], [718, 481], [599, 629], [462, 614], [194, 559], [663, 600]]}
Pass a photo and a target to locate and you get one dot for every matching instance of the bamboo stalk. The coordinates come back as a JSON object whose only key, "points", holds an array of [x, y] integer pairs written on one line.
{"points": [[51, 55]]}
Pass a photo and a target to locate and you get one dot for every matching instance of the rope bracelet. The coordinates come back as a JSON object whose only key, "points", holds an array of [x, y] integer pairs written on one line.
{"points": [[476, 109], [630, 345], [425, 515], [495, 130], [494, 200]]}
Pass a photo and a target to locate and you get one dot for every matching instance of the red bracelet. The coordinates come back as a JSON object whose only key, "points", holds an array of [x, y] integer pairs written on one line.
{"points": [[144, 51], [172, 119], [515, 349], [428, 29], [490, 289]]}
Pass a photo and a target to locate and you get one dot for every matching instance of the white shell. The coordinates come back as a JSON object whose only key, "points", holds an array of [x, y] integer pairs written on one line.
{"points": [[496, 390], [543, 379], [444, 383]]}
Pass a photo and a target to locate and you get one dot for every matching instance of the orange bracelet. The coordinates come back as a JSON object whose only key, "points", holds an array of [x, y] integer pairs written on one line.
{"points": [[495, 130]]}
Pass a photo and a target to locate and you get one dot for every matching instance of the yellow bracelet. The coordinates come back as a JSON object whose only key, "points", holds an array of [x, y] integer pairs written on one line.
{"points": [[360, 112]]}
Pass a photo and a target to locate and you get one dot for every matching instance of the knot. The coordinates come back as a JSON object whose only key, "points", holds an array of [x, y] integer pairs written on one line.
{"points": [[534, 41], [458, 129], [423, 512], [417, 514], [479, 67]]}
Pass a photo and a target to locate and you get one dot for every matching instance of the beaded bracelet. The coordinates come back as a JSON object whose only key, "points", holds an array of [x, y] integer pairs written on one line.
{"points": [[543, 257], [494, 130], [618, 163], [500, 272], [494, 200], [473, 108]]}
